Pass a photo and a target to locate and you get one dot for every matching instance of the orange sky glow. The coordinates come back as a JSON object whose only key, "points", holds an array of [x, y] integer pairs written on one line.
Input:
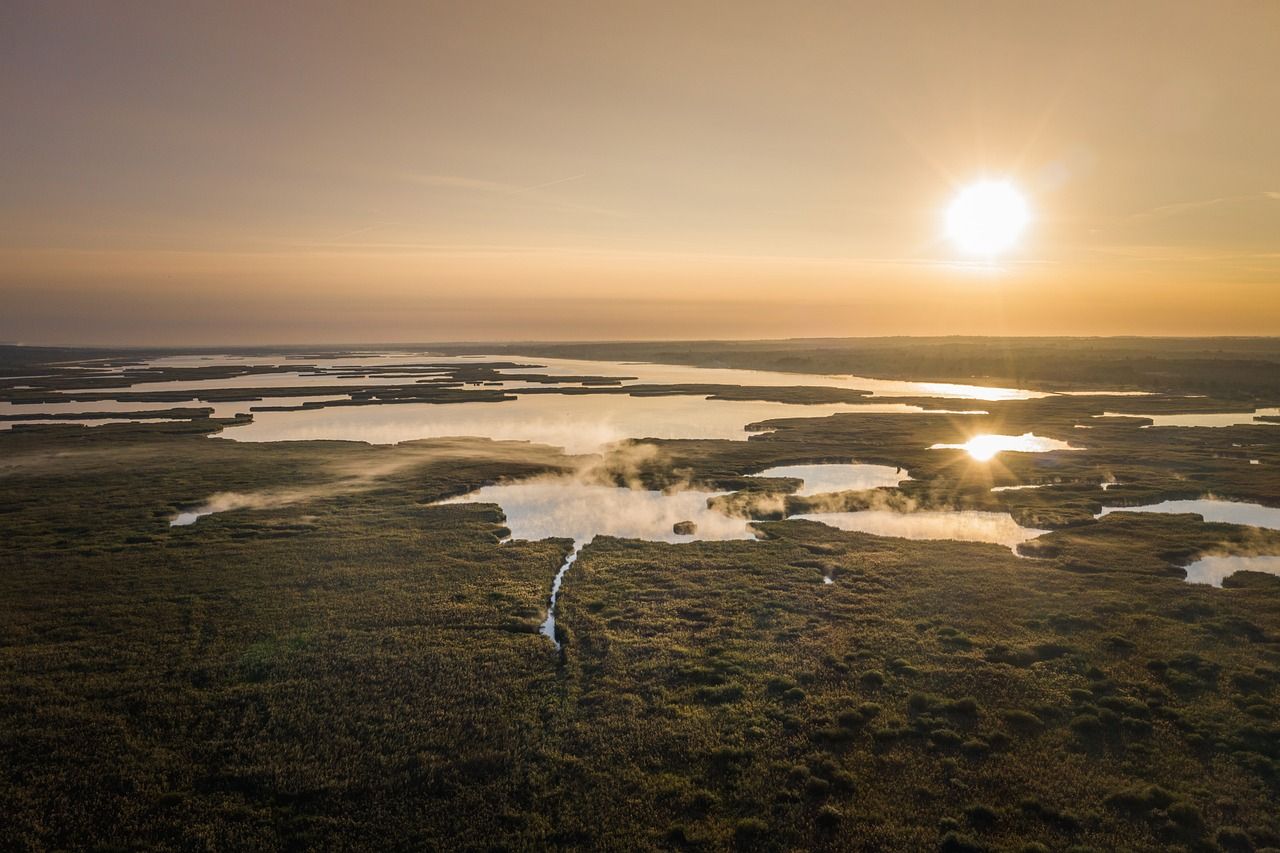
{"points": [[294, 172]]}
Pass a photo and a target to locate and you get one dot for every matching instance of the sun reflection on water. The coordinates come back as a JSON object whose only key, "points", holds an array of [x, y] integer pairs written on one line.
{"points": [[984, 447]]}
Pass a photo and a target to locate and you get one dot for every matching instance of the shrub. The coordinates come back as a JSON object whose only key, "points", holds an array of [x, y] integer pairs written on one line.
{"points": [[842, 780], [1233, 838], [1119, 644], [1125, 705], [1138, 801], [886, 735], [874, 678], [1086, 726], [1187, 816], [850, 719], [817, 788], [954, 842], [749, 831], [834, 734], [719, 695], [1136, 727], [726, 756], [944, 737], [1023, 722], [981, 816], [829, 817], [778, 685], [919, 702]]}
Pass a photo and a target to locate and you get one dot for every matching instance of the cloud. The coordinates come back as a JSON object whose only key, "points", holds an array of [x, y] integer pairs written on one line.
{"points": [[1179, 208], [501, 188], [364, 474]]}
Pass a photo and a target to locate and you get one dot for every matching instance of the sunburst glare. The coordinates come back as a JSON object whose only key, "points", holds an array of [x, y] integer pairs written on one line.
{"points": [[987, 218]]}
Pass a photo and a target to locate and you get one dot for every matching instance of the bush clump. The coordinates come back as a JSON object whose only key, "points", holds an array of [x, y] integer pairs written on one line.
{"points": [[955, 842], [1023, 722], [749, 831]]}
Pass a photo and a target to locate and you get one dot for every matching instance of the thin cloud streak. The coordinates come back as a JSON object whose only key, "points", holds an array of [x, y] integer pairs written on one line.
{"points": [[1182, 207], [501, 188]]}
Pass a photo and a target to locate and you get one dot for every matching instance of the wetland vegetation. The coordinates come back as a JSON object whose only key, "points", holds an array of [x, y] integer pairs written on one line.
{"points": [[346, 650]]}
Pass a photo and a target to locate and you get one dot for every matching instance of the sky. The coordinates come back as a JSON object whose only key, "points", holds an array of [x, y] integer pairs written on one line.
{"points": [[233, 173]]}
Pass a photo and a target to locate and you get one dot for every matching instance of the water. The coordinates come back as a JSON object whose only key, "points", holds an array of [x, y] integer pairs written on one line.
{"points": [[548, 626], [987, 445], [579, 423], [184, 519], [552, 419], [1021, 488], [964, 525], [1208, 419], [271, 380], [1213, 570], [646, 373], [566, 508], [561, 507], [328, 371], [821, 479], [1227, 512]]}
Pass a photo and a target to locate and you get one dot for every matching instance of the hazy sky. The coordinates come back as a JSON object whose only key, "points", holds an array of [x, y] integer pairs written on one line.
{"points": [[224, 172]]}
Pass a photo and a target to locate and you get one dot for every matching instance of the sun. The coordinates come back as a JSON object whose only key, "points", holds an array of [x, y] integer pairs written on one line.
{"points": [[987, 218]]}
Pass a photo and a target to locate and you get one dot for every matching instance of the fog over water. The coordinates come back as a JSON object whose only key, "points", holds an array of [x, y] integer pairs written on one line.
{"points": [[1213, 570], [823, 478], [1228, 512], [564, 507], [965, 525]]}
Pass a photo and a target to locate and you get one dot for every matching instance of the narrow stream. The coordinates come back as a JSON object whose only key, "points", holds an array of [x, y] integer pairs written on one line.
{"points": [[563, 507], [548, 628]]}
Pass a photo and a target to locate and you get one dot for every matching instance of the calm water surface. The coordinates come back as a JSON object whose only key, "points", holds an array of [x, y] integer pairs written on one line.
{"points": [[964, 525], [1209, 419], [580, 423], [821, 479], [1227, 512], [1213, 570]]}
